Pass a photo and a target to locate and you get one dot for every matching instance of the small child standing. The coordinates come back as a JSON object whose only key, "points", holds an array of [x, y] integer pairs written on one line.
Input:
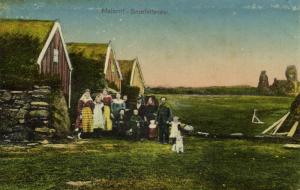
{"points": [[179, 142], [175, 124]]}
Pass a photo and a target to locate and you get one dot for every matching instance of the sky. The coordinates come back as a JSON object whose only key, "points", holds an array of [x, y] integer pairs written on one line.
{"points": [[185, 42]]}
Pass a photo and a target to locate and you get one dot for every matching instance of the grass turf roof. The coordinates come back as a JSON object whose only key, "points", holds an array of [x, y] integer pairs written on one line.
{"points": [[39, 29], [94, 51], [126, 67]]}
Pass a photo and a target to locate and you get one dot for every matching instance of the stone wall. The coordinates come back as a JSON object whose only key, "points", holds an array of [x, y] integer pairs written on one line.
{"points": [[25, 115]]}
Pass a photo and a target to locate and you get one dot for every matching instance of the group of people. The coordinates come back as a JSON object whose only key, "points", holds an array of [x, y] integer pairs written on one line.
{"points": [[145, 119]]}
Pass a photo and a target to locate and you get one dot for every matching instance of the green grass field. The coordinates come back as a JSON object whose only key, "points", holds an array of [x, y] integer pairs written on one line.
{"points": [[224, 115], [207, 164]]}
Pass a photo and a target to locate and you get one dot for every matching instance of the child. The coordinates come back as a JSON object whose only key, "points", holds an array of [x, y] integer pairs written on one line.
{"points": [[175, 124], [152, 129], [179, 142]]}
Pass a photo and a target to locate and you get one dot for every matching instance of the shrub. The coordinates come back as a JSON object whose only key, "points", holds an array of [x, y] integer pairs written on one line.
{"points": [[132, 93], [60, 114], [18, 60]]}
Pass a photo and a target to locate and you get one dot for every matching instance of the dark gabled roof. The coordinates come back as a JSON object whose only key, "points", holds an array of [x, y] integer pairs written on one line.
{"points": [[37, 29], [93, 51], [126, 67]]}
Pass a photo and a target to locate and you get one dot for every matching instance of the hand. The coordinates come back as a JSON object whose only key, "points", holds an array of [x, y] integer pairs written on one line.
{"points": [[80, 116]]}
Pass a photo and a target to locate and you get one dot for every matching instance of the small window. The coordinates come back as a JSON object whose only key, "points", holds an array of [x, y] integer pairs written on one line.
{"points": [[55, 55]]}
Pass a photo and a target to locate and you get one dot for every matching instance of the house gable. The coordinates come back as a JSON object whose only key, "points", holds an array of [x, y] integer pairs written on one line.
{"points": [[54, 60], [55, 29], [136, 71], [112, 70], [40, 44], [126, 69], [132, 74], [111, 58]]}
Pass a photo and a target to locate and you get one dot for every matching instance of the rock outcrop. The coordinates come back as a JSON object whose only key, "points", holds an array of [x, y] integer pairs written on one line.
{"points": [[290, 86], [263, 84]]}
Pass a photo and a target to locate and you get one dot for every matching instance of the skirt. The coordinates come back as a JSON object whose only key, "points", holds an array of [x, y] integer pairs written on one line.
{"points": [[152, 133], [107, 120], [87, 120]]}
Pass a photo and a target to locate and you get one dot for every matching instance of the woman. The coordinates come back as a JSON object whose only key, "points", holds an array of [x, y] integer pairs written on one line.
{"points": [[85, 107], [107, 99], [150, 110], [117, 105], [150, 114], [98, 113]]}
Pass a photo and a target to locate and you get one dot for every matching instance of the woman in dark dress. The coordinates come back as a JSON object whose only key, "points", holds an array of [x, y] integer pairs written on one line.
{"points": [[120, 123], [150, 114]]}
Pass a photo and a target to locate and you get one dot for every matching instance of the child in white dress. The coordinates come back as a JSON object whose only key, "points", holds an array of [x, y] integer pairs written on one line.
{"points": [[175, 124], [179, 142]]}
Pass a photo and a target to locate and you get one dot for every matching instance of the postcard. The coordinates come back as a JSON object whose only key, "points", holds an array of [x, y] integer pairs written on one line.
{"points": [[150, 94]]}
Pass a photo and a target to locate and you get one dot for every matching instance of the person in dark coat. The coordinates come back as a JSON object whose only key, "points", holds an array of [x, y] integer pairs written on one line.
{"points": [[138, 106], [149, 115], [150, 110], [120, 124], [135, 124], [164, 117]]}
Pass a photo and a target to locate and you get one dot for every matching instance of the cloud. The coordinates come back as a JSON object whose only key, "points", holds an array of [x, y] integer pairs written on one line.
{"points": [[288, 7], [254, 6], [276, 6], [39, 5], [285, 7]]}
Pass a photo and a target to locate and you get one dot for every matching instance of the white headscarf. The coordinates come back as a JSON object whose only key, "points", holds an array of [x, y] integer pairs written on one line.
{"points": [[86, 97]]}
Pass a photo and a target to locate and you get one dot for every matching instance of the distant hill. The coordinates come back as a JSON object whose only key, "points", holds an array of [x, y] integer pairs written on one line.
{"points": [[214, 90]]}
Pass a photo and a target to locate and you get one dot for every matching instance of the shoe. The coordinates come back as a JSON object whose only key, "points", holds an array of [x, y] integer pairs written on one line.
{"points": [[70, 137]]}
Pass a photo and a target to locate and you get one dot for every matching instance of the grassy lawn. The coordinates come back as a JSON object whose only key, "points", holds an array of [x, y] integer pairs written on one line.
{"points": [[118, 164], [207, 164], [229, 114]]}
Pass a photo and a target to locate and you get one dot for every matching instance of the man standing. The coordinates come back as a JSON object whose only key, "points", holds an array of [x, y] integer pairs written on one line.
{"points": [[164, 116]]}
